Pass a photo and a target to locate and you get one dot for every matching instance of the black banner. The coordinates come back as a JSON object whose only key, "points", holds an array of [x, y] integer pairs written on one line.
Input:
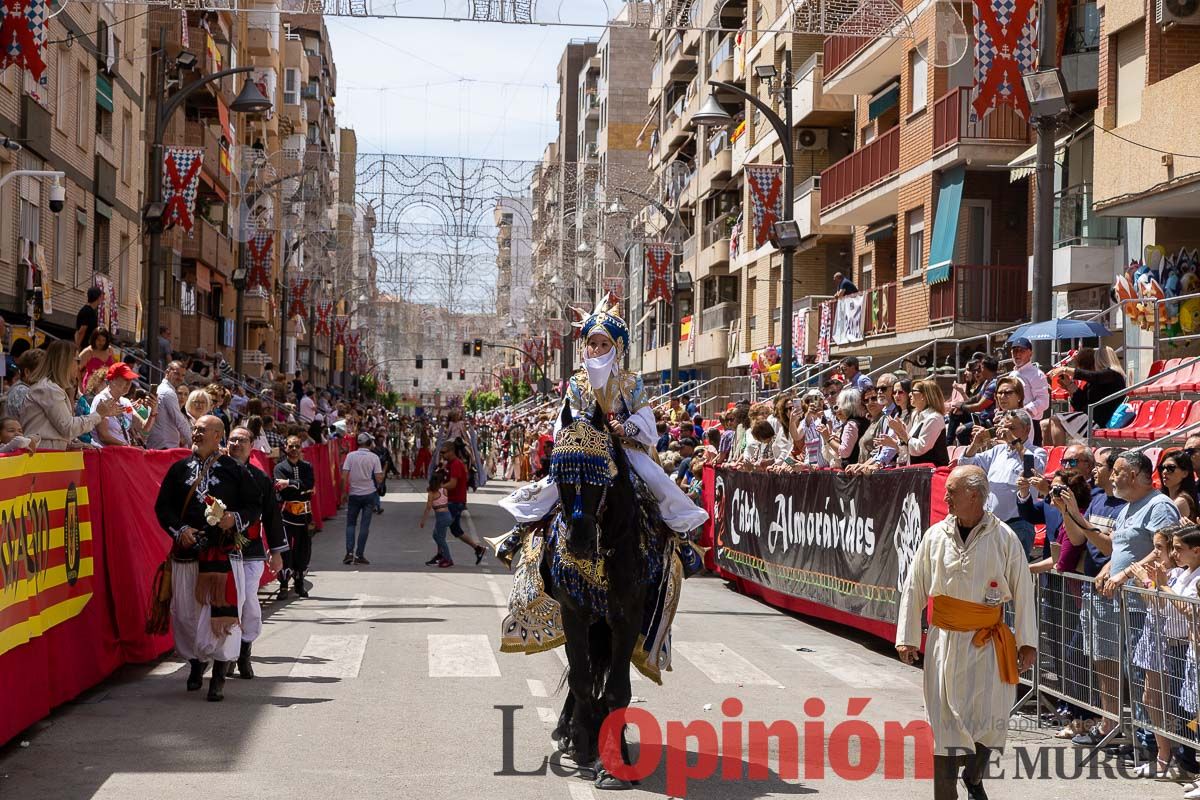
{"points": [[843, 541]]}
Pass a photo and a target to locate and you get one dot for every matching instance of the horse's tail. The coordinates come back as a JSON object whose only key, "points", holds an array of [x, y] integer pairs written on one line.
{"points": [[600, 655]]}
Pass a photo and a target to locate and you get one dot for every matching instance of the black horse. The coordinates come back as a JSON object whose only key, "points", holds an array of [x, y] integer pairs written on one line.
{"points": [[602, 525]]}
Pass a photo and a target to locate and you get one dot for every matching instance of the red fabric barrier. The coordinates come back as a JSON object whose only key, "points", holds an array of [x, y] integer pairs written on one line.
{"points": [[126, 547], [707, 499]]}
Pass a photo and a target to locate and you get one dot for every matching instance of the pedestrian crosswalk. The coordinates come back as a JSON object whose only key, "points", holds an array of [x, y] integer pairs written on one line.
{"points": [[330, 656]]}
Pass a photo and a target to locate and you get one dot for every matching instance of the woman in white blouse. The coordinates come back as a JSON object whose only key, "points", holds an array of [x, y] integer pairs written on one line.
{"points": [[925, 441], [49, 411]]}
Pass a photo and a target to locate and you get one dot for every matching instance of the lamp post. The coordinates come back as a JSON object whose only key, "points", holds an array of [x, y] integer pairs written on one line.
{"points": [[250, 100], [786, 232]]}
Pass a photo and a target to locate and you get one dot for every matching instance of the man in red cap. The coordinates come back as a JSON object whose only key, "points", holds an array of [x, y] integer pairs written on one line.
{"points": [[116, 430]]}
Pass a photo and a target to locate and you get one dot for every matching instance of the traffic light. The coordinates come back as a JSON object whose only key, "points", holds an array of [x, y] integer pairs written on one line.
{"points": [[445, 363], [478, 352], [420, 362], [466, 348], [462, 374]]}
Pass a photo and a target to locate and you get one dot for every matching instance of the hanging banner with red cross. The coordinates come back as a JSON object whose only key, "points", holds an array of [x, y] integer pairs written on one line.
{"points": [[23, 35], [339, 330], [323, 310], [352, 347], [1006, 45], [296, 306], [658, 272], [766, 198], [259, 247], [181, 174]]}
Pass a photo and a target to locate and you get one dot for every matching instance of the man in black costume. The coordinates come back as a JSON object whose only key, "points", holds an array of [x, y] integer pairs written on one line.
{"points": [[295, 480]]}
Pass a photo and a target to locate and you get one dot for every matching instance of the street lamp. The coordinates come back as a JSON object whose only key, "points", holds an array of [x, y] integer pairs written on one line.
{"points": [[249, 100], [711, 114]]}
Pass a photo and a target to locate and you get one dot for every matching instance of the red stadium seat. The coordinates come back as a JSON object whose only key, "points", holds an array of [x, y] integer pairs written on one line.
{"points": [[1054, 456], [1158, 422], [1180, 410], [1144, 412], [1163, 384], [1193, 417], [1191, 378]]}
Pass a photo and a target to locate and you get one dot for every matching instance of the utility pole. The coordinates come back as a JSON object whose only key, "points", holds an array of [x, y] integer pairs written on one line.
{"points": [[1043, 223]]}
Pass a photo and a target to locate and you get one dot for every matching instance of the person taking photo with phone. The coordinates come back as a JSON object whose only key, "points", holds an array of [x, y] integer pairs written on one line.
{"points": [[1006, 456]]}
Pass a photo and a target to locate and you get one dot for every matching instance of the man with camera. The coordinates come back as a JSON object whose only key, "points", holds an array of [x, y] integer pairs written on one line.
{"points": [[1005, 456]]}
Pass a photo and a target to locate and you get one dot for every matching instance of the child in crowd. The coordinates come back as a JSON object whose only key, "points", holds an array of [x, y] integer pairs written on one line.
{"points": [[664, 437], [437, 501], [1163, 647], [696, 487], [758, 451], [13, 438]]}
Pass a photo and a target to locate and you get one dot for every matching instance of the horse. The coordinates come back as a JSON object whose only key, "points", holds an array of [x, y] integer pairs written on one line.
{"points": [[602, 525]]}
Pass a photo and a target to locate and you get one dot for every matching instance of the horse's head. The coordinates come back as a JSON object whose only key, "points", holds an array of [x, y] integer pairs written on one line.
{"points": [[582, 465]]}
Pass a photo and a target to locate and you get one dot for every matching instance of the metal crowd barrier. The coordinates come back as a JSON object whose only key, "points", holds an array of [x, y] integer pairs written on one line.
{"points": [[1128, 660]]}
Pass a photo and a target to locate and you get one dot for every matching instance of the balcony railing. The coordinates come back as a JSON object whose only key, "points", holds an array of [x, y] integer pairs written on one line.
{"points": [[716, 231], [838, 50], [862, 169], [1083, 29], [1076, 224], [718, 316], [723, 53], [880, 311], [689, 249], [990, 294], [717, 142], [952, 122]]}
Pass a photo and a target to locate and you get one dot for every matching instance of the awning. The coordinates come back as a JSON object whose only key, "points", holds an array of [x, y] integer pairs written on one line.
{"points": [[104, 93], [884, 99], [1024, 165], [945, 225], [223, 116], [884, 229]]}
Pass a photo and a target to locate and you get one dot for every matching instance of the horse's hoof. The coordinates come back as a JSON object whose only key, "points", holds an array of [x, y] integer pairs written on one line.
{"points": [[608, 782]]}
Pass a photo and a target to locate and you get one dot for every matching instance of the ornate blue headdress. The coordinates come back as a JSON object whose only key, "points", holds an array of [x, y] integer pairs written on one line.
{"points": [[605, 320]]}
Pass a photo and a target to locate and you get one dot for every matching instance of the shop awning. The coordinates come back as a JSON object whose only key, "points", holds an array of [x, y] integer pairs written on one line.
{"points": [[1024, 165], [945, 225], [883, 100]]}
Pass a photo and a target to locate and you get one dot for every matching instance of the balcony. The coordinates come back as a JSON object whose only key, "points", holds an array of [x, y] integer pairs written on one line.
{"points": [[1081, 50], [204, 244], [865, 177], [208, 137], [719, 317], [811, 105], [714, 242], [677, 62], [711, 346], [256, 308], [808, 212], [879, 310], [197, 331], [1002, 129], [720, 65], [262, 42], [1087, 248], [861, 64], [675, 123], [981, 294], [719, 163]]}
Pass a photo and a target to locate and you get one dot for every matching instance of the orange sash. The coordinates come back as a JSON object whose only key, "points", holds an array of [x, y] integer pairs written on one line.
{"points": [[963, 616]]}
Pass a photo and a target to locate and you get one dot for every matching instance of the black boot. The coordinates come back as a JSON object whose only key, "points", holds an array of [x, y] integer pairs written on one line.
{"points": [[283, 592], [230, 666], [196, 674], [245, 669], [298, 585], [216, 684]]}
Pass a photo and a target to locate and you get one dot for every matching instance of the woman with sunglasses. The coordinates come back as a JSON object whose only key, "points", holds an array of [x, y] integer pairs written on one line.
{"points": [[1179, 483], [924, 440]]}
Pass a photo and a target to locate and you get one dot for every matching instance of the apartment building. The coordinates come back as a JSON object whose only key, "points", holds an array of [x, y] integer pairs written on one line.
{"points": [[557, 214], [1147, 173], [84, 118], [513, 217]]}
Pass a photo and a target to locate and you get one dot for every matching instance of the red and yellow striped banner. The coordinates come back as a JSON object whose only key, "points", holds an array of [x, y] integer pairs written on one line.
{"points": [[45, 544]]}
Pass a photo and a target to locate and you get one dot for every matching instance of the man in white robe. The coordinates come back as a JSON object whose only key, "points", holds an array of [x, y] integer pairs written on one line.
{"points": [[970, 563]]}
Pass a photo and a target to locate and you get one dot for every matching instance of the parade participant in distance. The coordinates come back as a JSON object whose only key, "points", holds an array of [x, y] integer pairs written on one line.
{"points": [[206, 504], [266, 534], [295, 481], [970, 563]]}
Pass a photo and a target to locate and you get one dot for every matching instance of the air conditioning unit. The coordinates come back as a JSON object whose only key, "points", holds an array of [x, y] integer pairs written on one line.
{"points": [[816, 138], [1177, 12]]}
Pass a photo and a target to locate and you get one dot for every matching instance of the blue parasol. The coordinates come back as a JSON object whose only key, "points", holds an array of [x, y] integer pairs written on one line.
{"points": [[1060, 329]]}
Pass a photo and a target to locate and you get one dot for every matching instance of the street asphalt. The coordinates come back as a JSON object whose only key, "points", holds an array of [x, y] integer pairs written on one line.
{"points": [[387, 682]]}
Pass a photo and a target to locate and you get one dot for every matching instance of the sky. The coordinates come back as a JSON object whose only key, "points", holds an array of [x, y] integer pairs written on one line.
{"points": [[435, 87]]}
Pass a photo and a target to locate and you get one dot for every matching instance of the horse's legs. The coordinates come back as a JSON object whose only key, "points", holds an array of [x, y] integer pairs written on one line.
{"points": [[579, 679], [617, 694], [562, 731]]}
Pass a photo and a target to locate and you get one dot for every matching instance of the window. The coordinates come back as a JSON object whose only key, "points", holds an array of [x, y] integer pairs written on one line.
{"points": [[60, 260], [291, 86], [127, 148], [865, 272], [100, 245], [1131, 73], [80, 246], [918, 79], [62, 79], [83, 118], [915, 257], [104, 123], [123, 270]]}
